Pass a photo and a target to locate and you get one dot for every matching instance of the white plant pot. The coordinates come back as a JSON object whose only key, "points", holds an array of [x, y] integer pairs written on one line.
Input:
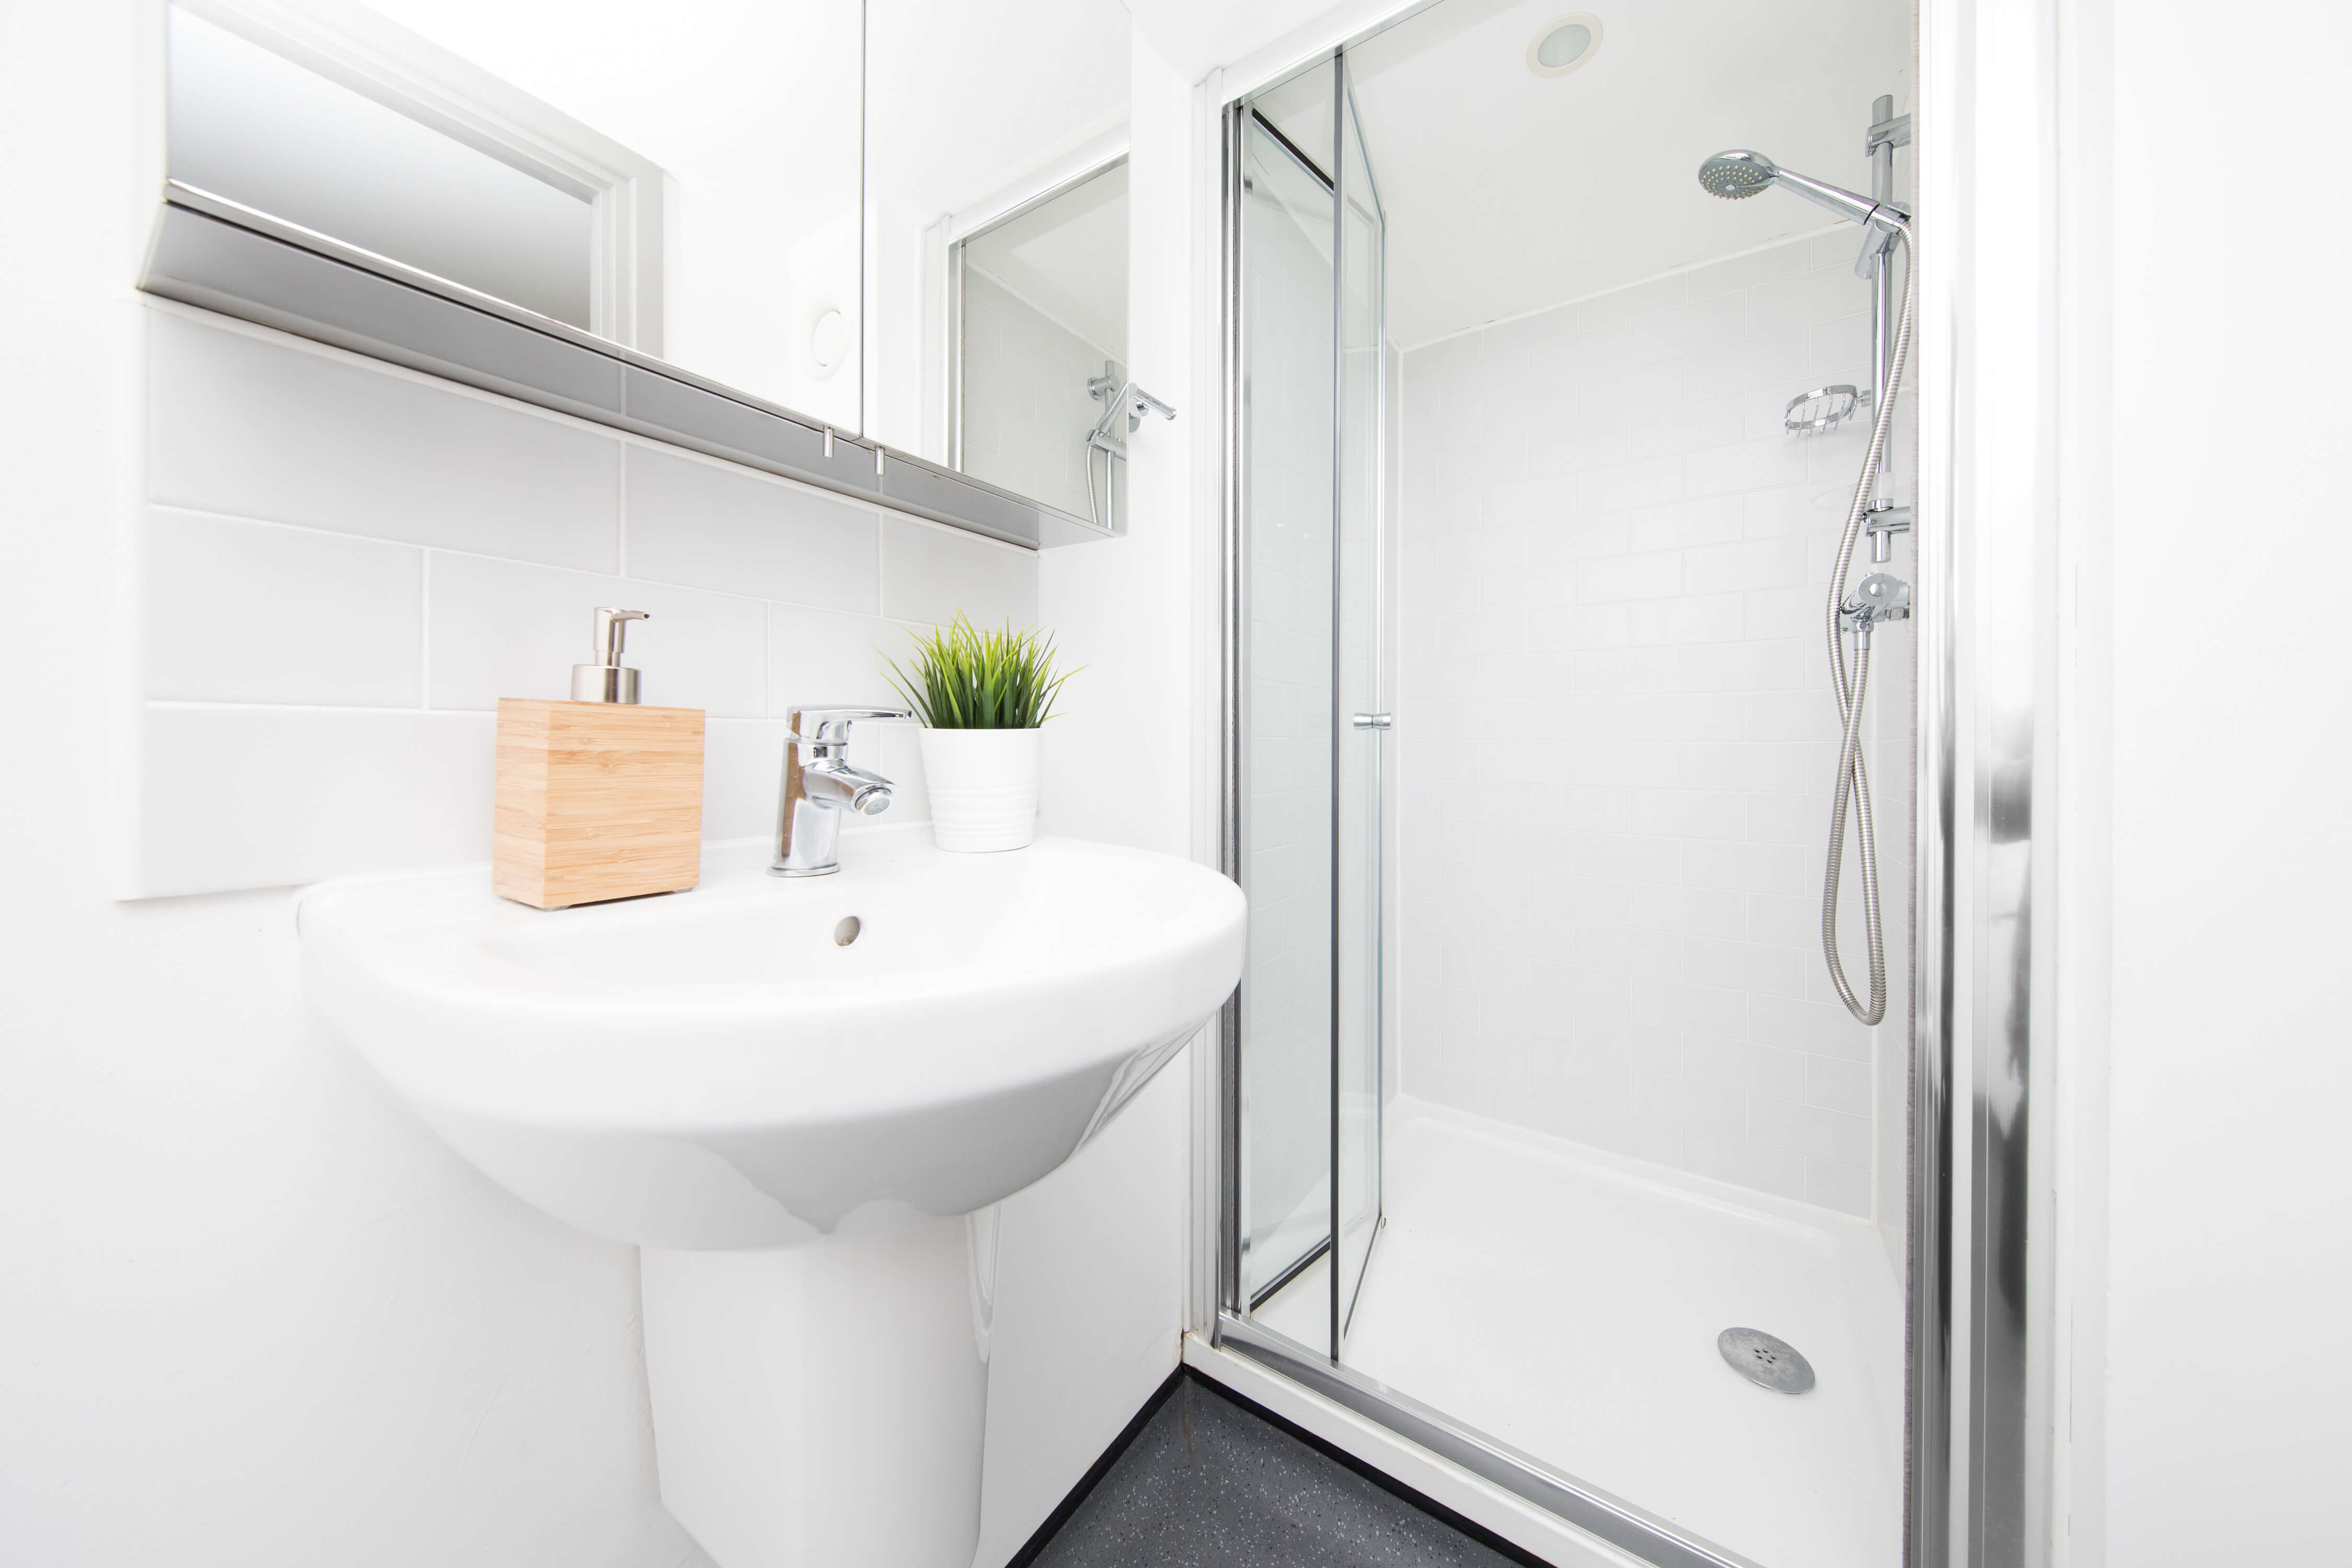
{"points": [[983, 787]]}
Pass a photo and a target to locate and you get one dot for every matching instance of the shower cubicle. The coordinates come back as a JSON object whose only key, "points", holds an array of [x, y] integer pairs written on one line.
{"points": [[1554, 1136]]}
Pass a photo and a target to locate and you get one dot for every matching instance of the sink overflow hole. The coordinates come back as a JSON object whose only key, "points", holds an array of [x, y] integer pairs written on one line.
{"points": [[1765, 1360], [846, 931]]}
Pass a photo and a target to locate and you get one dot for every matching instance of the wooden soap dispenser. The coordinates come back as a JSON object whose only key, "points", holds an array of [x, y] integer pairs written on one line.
{"points": [[597, 798]]}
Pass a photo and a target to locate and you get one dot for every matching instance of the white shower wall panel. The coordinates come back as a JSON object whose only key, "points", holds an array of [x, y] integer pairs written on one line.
{"points": [[1618, 734]]}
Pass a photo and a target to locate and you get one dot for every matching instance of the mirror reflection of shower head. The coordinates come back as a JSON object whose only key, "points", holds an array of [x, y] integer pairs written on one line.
{"points": [[1738, 174]]}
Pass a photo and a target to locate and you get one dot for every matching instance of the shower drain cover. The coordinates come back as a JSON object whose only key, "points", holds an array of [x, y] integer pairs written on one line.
{"points": [[1765, 1360]]}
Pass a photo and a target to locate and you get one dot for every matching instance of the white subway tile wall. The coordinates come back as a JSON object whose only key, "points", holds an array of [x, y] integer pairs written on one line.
{"points": [[347, 565], [1617, 734]]}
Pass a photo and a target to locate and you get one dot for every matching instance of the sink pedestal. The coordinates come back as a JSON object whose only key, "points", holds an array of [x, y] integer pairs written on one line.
{"points": [[825, 1405]]}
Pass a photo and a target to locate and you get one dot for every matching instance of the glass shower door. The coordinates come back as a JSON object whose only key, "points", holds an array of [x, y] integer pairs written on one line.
{"points": [[1287, 737], [1311, 391]]}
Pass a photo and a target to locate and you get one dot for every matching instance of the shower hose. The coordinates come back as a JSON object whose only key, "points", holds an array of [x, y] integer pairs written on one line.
{"points": [[1852, 790]]}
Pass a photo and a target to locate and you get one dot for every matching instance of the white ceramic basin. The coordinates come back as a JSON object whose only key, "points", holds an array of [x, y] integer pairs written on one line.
{"points": [[805, 1135], [714, 1069]]}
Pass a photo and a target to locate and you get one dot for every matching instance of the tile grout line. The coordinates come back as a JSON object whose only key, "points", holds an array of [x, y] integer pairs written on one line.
{"points": [[425, 631], [621, 514], [319, 531]]}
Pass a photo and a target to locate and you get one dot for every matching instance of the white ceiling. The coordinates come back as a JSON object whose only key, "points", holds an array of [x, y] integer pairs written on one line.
{"points": [[1506, 192], [1068, 259]]}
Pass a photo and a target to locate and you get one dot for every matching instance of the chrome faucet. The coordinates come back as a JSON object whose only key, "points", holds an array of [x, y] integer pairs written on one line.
{"points": [[821, 785]]}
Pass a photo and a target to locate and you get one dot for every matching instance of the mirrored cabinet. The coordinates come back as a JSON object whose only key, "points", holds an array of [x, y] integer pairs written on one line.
{"points": [[877, 245]]}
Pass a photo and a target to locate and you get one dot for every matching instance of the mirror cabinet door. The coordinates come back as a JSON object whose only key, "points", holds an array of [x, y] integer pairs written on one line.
{"points": [[902, 219], [680, 181], [996, 186]]}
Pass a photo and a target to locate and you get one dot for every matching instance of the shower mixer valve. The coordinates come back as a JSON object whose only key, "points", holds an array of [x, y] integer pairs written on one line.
{"points": [[1877, 597]]}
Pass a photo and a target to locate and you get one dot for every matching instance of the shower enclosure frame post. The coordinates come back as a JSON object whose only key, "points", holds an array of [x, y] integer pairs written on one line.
{"points": [[1339, 605], [1377, 724], [1991, 137], [1348, 439], [1233, 610]]}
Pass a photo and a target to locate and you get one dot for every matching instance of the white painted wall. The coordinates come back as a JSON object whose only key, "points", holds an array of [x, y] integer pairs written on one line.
{"points": [[254, 1313], [2231, 1207], [1614, 560]]}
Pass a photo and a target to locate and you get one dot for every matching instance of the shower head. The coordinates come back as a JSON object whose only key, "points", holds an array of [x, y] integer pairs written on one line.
{"points": [[1738, 174]]}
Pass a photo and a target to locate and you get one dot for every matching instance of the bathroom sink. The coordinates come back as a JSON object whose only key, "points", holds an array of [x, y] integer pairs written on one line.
{"points": [[759, 1062], [802, 1098]]}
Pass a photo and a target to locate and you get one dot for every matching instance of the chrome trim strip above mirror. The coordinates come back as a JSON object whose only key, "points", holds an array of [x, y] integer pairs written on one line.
{"points": [[216, 255]]}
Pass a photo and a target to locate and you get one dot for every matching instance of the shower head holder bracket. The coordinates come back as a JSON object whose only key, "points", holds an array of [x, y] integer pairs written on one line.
{"points": [[1882, 523]]}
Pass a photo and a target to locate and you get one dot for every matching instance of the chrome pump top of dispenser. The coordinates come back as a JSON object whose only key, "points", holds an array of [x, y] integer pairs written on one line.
{"points": [[608, 681]]}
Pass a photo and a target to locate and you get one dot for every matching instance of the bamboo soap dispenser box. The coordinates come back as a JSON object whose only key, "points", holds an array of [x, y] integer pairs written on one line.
{"points": [[597, 798]]}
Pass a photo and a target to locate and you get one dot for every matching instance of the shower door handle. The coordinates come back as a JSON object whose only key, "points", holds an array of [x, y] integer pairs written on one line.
{"points": [[1374, 722]]}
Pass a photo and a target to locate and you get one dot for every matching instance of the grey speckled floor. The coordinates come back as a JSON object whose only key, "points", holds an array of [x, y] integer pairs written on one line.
{"points": [[1207, 1484]]}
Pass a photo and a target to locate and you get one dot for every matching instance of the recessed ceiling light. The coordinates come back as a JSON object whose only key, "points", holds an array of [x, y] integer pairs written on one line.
{"points": [[1564, 44]]}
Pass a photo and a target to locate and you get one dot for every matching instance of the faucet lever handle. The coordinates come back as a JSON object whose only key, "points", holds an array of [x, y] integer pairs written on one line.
{"points": [[834, 719]]}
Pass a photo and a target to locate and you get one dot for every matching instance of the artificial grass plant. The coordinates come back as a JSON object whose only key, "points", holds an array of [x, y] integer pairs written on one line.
{"points": [[961, 678]]}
